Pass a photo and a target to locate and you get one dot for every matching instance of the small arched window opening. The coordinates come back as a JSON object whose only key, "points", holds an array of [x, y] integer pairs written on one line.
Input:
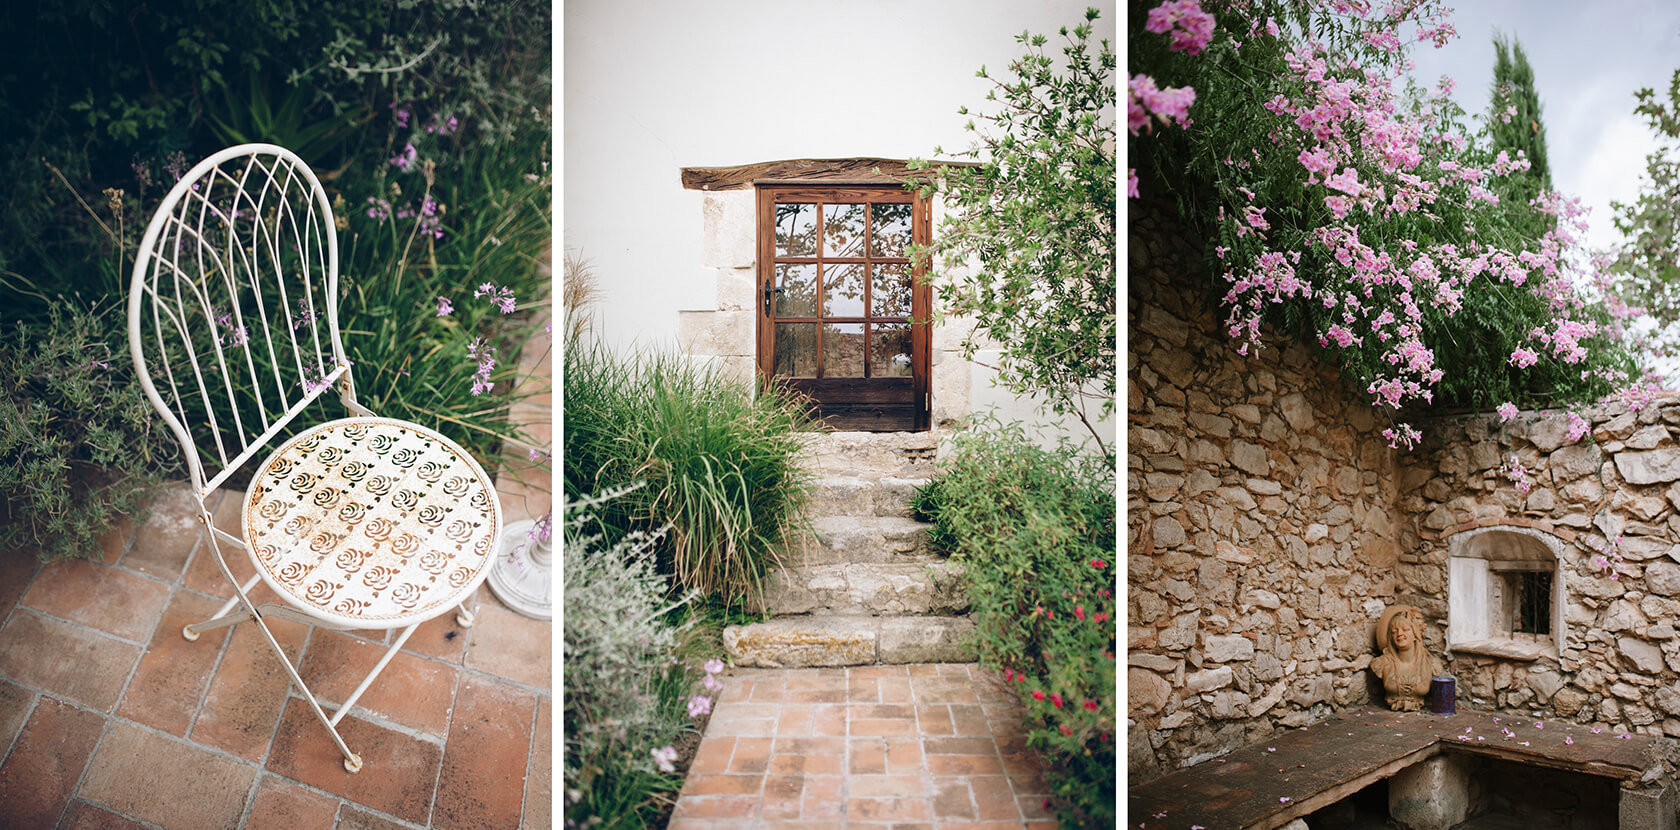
{"points": [[1505, 593]]}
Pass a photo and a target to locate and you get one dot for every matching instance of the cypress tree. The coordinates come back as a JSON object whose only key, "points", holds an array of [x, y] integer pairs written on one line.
{"points": [[1514, 121]]}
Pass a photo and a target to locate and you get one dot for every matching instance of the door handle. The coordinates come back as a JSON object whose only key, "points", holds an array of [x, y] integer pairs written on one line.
{"points": [[769, 292]]}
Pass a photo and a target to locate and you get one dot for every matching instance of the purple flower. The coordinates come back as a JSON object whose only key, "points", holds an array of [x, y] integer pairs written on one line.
{"points": [[665, 757], [401, 115], [713, 666], [405, 159], [699, 705], [444, 307]]}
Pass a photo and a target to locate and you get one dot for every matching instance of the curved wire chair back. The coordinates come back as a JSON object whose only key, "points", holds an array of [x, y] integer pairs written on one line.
{"points": [[233, 307]]}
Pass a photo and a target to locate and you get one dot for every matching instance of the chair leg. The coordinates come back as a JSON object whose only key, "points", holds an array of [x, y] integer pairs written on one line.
{"points": [[192, 631], [221, 617], [377, 668], [352, 761], [464, 615]]}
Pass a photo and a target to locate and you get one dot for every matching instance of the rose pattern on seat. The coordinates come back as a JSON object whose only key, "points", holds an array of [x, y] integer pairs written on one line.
{"points": [[371, 519]]}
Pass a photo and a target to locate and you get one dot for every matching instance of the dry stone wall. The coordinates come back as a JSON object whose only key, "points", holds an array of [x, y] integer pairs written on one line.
{"points": [[1262, 537], [1620, 666]]}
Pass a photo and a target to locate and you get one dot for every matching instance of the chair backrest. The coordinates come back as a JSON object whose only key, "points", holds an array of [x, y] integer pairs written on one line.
{"points": [[233, 307]]}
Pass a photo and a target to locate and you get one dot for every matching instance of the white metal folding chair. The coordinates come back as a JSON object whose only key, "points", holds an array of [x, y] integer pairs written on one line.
{"points": [[358, 523]]}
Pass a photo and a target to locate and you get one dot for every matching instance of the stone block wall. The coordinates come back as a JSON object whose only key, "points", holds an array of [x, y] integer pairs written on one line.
{"points": [[1262, 536], [1620, 665]]}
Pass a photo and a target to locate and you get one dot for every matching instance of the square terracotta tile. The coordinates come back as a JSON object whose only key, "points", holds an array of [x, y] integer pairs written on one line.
{"points": [[888, 809], [829, 720], [351, 817], [66, 660], [782, 796], [993, 798], [440, 638], [119, 603], [800, 765], [964, 765], [952, 799], [173, 673], [411, 691], [113, 543], [483, 780], [507, 645], [752, 755], [165, 781], [163, 544], [85, 816], [46, 763], [283, 803], [796, 719], [713, 755], [823, 799], [934, 720], [868, 757], [904, 757], [727, 784], [398, 772], [248, 692], [17, 572], [887, 786], [15, 703], [539, 780]]}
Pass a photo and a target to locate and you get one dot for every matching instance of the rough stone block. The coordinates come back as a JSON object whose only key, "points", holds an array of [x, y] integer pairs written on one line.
{"points": [[731, 229], [1431, 795], [812, 641], [926, 640], [1653, 808]]}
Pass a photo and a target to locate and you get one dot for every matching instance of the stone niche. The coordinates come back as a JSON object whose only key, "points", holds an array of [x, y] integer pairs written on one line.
{"points": [[1505, 593]]}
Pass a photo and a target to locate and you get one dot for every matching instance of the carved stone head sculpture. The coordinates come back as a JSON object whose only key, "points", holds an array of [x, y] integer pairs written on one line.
{"points": [[1404, 667]]}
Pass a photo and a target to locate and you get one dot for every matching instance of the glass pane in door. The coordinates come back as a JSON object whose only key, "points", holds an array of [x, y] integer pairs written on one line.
{"points": [[796, 350], [890, 295], [889, 350], [889, 230], [843, 350], [843, 230], [796, 229], [798, 297], [843, 290]]}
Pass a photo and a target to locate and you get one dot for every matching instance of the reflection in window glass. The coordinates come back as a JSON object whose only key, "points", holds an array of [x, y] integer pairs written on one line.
{"points": [[843, 291], [799, 290], [796, 350], [843, 230], [796, 229], [890, 295], [843, 350], [889, 232], [889, 350]]}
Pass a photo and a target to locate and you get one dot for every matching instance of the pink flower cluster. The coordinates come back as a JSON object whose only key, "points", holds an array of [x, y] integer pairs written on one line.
{"points": [[1189, 26], [1518, 474], [1143, 100], [485, 355]]}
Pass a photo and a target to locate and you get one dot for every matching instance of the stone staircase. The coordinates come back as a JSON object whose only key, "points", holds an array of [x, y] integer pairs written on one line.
{"points": [[862, 586]]}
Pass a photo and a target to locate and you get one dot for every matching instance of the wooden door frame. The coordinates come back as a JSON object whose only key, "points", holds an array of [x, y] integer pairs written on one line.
{"points": [[921, 303]]}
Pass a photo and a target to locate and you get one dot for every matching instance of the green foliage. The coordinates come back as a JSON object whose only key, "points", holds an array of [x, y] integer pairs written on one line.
{"points": [[1647, 265], [1034, 530], [1514, 125], [79, 443], [1037, 213], [255, 118], [1237, 153], [721, 465], [624, 692]]}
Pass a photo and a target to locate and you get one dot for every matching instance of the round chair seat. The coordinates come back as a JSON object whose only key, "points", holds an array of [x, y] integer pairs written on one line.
{"points": [[372, 522]]}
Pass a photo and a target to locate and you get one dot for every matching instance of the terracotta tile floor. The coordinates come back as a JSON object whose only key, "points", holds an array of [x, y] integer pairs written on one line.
{"points": [[109, 718], [919, 746]]}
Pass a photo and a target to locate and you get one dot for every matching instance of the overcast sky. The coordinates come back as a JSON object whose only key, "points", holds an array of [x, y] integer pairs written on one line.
{"points": [[1588, 59]]}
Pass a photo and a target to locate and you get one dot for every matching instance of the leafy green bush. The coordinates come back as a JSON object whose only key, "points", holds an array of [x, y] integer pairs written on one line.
{"points": [[79, 442], [721, 465], [1034, 529], [624, 692]]}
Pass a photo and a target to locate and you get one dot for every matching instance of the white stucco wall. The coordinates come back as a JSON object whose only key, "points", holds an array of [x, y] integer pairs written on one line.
{"points": [[653, 87]]}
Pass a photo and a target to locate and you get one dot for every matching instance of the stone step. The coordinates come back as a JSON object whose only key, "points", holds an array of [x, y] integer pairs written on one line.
{"points": [[923, 587], [848, 640], [834, 540], [861, 495], [910, 454]]}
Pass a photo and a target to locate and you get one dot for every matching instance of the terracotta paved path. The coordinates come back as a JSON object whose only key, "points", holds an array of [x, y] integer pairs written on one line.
{"points": [[920, 746]]}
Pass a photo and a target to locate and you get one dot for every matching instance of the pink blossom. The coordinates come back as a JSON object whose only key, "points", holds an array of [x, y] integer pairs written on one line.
{"points": [[713, 666], [1507, 412], [1131, 183], [1191, 28], [665, 757], [444, 307], [699, 705], [1523, 358], [1577, 427]]}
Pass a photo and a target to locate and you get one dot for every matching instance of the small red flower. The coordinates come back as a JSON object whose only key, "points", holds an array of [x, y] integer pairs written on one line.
{"points": [[1098, 564], [1020, 678], [1067, 732], [1038, 694], [1091, 705], [1056, 701], [1099, 616], [1079, 612], [1104, 736], [1108, 654], [1103, 593], [1050, 614], [1008, 675]]}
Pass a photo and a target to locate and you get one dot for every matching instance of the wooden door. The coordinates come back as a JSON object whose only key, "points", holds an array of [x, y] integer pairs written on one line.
{"points": [[843, 313]]}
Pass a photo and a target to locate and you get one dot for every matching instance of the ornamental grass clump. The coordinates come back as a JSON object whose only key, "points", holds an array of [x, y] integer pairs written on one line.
{"points": [[1034, 529], [721, 464]]}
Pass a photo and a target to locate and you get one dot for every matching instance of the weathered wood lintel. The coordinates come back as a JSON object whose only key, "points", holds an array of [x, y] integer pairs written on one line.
{"points": [[805, 171]]}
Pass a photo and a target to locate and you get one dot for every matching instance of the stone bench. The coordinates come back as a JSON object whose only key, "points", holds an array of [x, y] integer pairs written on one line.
{"points": [[1301, 771]]}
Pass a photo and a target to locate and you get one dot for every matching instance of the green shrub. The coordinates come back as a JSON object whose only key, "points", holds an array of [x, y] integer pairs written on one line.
{"points": [[721, 465], [1034, 529], [79, 442], [624, 693]]}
